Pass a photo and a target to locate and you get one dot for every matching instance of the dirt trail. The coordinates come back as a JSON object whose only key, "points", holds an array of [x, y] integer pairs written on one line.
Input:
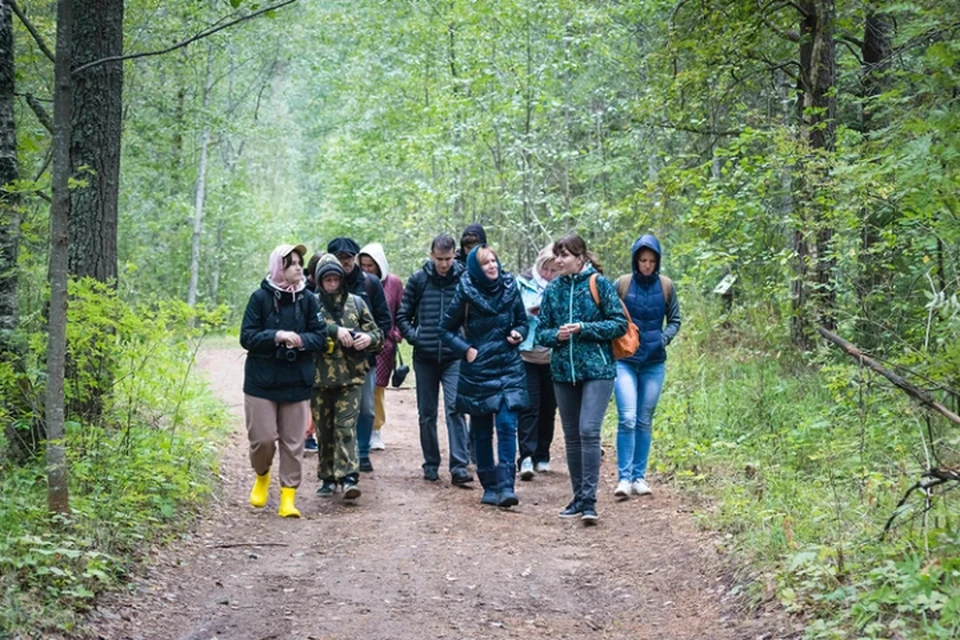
{"points": [[414, 559]]}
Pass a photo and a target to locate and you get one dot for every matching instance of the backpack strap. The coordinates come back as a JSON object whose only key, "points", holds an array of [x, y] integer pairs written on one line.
{"points": [[623, 286], [593, 289], [666, 284]]}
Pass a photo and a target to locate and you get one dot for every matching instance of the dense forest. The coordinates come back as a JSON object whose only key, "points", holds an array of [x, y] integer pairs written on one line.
{"points": [[153, 153]]}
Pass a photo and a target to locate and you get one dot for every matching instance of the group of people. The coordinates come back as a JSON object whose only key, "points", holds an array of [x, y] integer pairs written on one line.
{"points": [[507, 351]]}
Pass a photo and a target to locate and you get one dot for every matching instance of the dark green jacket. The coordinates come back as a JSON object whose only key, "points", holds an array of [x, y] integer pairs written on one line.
{"points": [[588, 354]]}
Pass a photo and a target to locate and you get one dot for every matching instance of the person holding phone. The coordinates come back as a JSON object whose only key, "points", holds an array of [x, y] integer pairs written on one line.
{"points": [[535, 423], [492, 386], [578, 331]]}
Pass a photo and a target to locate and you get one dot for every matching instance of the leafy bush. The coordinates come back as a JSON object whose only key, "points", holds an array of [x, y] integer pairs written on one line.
{"points": [[804, 465], [135, 475]]}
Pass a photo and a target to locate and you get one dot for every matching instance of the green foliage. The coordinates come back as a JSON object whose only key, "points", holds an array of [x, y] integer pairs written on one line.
{"points": [[804, 466], [135, 477]]}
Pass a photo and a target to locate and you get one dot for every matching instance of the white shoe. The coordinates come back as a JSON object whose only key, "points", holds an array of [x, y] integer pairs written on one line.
{"points": [[526, 469], [542, 467], [640, 487], [376, 442], [622, 492]]}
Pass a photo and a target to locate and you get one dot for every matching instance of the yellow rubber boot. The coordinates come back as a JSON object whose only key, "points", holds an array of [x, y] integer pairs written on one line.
{"points": [[258, 495], [287, 510]]}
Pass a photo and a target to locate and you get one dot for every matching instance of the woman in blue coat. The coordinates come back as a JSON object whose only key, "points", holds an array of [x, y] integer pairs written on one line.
{"points": [[492, 386], [652, 302]]}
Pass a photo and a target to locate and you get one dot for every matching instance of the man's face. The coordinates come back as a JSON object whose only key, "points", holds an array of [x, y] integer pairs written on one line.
{"points": [[442, 261], [348, 261], [369, 265]]}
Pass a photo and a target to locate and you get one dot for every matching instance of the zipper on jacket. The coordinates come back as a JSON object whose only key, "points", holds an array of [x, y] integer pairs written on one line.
{"points": [[440, 332], [602, 354], [573, 370]]}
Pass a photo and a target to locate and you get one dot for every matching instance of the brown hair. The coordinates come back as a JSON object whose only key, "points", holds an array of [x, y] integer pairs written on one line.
{"points": [[576, 246], [312, 265], [482, 251]]}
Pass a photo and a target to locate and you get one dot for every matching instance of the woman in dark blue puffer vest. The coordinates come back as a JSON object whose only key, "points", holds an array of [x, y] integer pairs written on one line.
{"points": [[492, 386], [652, 302]]}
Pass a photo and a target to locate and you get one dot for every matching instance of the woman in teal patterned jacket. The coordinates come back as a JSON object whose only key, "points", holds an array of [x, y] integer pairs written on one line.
{"points": [[579, 331]]}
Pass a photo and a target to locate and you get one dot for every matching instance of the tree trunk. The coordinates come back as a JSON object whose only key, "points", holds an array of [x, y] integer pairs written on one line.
{"points": [[95, 141], [876, 50], [57, 494], [813, 287], [9, 172], [201, 187]]}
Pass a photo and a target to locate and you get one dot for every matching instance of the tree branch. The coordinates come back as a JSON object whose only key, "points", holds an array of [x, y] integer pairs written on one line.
{"points": [[792, 36], [919, 394], [40, 112], [33, 31], [203, 34]]}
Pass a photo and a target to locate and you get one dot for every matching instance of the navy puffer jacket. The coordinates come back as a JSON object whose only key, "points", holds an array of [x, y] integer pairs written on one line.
{"points": [[497, 373], [657, 319]]}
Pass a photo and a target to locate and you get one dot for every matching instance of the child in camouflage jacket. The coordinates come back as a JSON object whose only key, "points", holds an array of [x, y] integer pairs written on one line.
{"points": [[341, 369]]}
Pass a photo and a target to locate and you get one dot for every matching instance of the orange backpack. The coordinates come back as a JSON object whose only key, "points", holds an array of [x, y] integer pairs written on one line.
{"points": [[627, 344]]}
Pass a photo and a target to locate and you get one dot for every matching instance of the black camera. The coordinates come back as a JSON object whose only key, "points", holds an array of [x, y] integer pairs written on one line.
{"points": [[287, 354]]}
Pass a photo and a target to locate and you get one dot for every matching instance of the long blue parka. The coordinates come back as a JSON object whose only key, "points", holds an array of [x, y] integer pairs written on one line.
{"points": [[648, 309], [588, 354], [488, 312]]}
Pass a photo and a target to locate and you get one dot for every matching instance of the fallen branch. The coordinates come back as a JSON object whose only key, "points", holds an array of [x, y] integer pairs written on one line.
{"points": [[915, 392], [928, 481]]}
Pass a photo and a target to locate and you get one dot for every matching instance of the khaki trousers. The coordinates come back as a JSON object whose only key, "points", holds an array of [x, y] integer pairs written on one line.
{"points": [[269, 422], [379, 408]]}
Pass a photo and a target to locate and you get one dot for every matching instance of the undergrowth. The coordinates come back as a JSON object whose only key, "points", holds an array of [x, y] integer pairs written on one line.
{"points": [[804, 462], [137, 472]]}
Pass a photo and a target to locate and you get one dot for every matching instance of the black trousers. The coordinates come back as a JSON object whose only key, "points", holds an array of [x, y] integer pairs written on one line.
{"points": [[535, 424]]}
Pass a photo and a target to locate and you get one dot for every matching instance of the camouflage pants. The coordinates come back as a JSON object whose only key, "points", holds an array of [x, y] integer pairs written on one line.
{"points": [[335, 411]]}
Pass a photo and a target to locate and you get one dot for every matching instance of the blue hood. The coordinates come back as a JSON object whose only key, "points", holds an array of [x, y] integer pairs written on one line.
{"points": [[646, 241]]}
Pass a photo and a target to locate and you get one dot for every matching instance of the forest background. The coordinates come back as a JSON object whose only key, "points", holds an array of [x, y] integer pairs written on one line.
{"points": [[810, 148]]}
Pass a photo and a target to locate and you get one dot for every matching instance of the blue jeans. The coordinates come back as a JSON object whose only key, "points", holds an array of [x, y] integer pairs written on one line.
{"points": [[581, 412], [482, 431], [637, 391], [365, 421]]}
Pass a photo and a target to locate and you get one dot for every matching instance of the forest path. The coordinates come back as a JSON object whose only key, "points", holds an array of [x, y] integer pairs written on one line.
{"points": [[413, 559]]}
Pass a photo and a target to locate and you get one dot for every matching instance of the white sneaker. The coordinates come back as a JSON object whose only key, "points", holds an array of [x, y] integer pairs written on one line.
{"points": [[622, 492], [641, 488], [376, 442], [526, 469], [542, 467]]}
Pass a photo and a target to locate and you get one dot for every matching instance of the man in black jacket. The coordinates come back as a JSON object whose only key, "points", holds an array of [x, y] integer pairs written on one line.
{"points": [[368, 287], [425, 298]]}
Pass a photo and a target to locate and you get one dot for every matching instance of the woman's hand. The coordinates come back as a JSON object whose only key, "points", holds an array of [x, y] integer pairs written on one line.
{"points": [[567, 330], [362, 341], [343, 335], [514, 337], [471, 354]]}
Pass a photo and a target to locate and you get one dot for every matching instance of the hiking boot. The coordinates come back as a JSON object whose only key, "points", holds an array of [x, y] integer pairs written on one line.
{"points": [[488, 479], [526, 469], [542, 467], [310, 445], [461, 477], [589, 516], [640, 487], [430, 475], [350, 489], [622, 492], [365, 465], [573, 510], [327, 489], [376, 442]]}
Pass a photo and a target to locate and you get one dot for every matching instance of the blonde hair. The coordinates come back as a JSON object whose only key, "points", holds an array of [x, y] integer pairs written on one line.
{"points": [[482, 254]]}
